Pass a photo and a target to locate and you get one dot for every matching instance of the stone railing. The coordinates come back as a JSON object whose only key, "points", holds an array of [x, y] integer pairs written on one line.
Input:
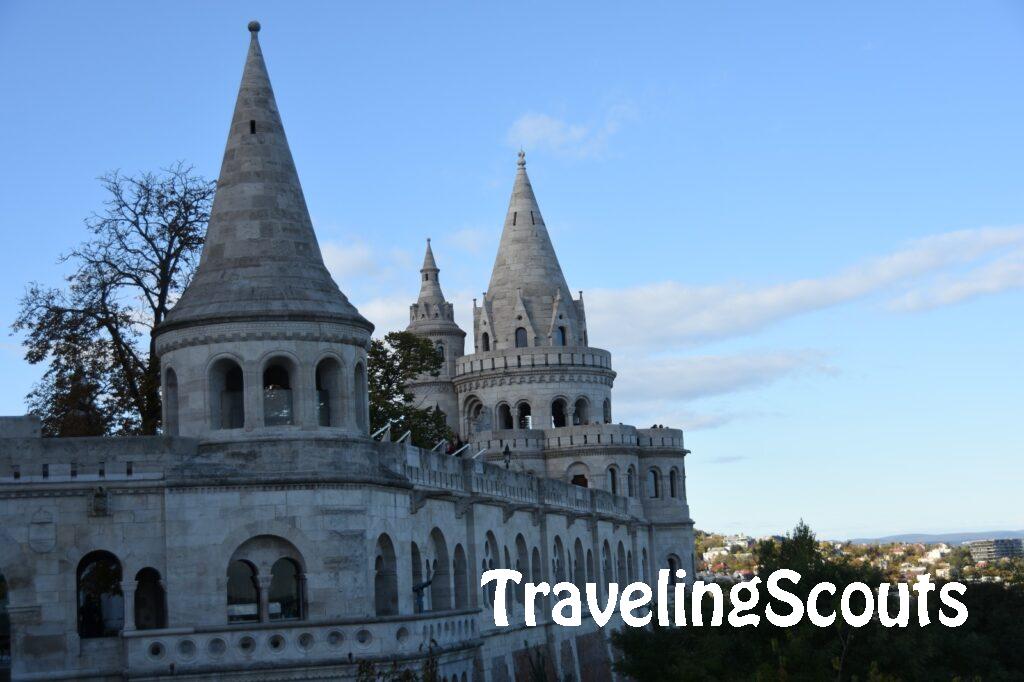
{"points": [[537, 357], [296, 643], [590, 435], [660, 438]]}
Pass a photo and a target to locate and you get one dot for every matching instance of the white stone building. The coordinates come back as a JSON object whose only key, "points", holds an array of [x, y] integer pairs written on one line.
{"points": [[267, 536]]}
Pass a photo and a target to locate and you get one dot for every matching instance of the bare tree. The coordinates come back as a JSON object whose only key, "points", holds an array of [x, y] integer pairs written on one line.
{"points": [[96, 333]]}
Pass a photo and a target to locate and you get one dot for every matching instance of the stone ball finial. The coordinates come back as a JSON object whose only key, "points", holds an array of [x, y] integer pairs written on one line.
{"points": [[254, 27], [522, 159]]}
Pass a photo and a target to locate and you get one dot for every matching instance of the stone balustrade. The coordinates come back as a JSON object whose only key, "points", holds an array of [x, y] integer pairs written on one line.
{"points": [[537, 357]]}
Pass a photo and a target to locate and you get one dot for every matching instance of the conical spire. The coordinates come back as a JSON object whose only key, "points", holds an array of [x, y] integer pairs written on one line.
{"points": [[430, 286], [261, 258], [526, 271]]}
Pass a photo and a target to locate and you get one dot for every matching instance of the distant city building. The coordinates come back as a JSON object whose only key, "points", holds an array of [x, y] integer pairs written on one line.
{"points": [[991, 550]]}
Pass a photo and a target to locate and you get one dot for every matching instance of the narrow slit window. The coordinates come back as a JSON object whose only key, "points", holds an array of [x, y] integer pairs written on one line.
{"points": [[532, 221], [252, 127], [514, 215]]}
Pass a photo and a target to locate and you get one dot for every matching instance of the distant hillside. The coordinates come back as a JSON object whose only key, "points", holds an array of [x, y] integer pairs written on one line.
{"points": [[948, 538]]}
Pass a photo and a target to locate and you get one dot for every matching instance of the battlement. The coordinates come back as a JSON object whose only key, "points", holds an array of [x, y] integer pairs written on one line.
{"points": [[533, 442], [533, 358]]}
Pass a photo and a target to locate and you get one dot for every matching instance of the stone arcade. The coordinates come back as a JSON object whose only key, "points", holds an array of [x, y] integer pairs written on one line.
{"points": [[268, 536]]}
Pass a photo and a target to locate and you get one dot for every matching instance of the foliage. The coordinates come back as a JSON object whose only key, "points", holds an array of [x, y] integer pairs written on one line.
{"points": [[985, 647], [393, 362], [95, 334]]}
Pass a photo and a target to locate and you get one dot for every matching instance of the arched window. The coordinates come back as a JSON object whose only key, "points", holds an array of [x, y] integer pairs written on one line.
{"points": [[485, 342], [631, 481], [558, 416], [673, 482], [560, 337], [523, 566], [607, 411], [328, 392], [278, 406], [100, 600], [558, 561], [461, 578], [150, 600], [620, 556], [505, 417], [606, 565], [439, 347], [285, 590], [359, 397], [630, 568], [243, 593], [579, 474], [227, 404], [653, 483], [613, 480], [385, 578], [170, 402], [525, 417], [590, 566], [490, 561], [418, 586], [521, 341], [643, 565], [440, 587], [673, 565], [579, 569], [582, 413]]}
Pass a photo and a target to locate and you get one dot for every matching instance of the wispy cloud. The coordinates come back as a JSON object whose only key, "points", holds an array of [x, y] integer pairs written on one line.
{"points": [[543, 132], [668, 313], [1002, 274]]}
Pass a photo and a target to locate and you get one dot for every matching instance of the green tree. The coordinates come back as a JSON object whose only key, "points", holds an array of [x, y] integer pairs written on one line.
{"points": [[393, 362], [95, 334]]}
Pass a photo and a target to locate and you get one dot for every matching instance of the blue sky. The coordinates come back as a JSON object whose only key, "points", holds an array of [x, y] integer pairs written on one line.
{"points": [[798, 228]]}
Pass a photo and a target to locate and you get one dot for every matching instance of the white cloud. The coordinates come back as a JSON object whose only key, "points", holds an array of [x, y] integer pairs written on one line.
{"points": [[471, 239], [538, 131], [349, 261], [388, 313], [1003, 274], [668, 313]]}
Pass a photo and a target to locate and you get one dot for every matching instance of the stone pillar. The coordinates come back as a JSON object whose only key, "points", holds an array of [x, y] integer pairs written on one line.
{"points": [[128, 588], [252, 397], [264, 596]]}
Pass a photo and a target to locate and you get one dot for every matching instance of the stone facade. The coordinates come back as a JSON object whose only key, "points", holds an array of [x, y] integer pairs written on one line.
{"points": [[267, 535]]}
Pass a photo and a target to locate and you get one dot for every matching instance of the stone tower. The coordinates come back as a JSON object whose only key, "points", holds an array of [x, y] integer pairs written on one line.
{"points": [[432, 317], [262, 342]]}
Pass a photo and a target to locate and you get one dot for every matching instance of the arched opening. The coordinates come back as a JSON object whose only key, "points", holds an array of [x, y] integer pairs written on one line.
{"points": [[558, 413], [606, 565], [674, 564], [418, 585], [630, 568], [580, 480], [558, 561], [150, 600], [285, 590], [582, 412], [631, 481], [590, 566], [439, 348], [477, 416], [385, 578], [278, 405], [227, 390], [440, 587], [170, 402], [505, 420], [243, 593], [620, 556], [509, 587], [485, 342], [579, 569], [613, 480], [523, 566], [100, 600], [607, 409], [521, 341], [653, 483], [643, 566], [579, 474], [673, 482], [561, 338], [328, 392], [360, 397], [525, 419], [489, 562], [460, 574]]}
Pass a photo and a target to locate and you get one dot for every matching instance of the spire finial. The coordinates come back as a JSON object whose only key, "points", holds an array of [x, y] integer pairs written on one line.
{"points": [[522, 159], [254, 27]]}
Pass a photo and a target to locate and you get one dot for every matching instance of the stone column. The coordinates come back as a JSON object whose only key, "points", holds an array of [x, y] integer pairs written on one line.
{"points": [[264, 596], [128, 588]]}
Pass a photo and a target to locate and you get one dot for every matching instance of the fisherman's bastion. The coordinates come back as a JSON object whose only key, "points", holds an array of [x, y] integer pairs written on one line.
{"points": [[269, 535]]}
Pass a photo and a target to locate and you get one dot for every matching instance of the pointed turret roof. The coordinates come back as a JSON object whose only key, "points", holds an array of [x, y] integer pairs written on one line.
{"points": [[430, 286], [261, 258], [526, 272]]}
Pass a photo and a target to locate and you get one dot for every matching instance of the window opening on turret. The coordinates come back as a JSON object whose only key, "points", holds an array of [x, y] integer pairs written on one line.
{"points": [[525, 416], [532, 220], [226, 402], [514, 214], [100, 600], [558, 414], [673, 483], [278, 406], [243, 593], [653, 484], [252, 127], [581, 414], [485, 341], [328, 392], [521, 340], [505, 416], [561, 338]]}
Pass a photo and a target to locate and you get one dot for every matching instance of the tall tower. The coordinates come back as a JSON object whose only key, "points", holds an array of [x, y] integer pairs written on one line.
{"points": [[533, 368], [262, 343], [432, 317]]}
